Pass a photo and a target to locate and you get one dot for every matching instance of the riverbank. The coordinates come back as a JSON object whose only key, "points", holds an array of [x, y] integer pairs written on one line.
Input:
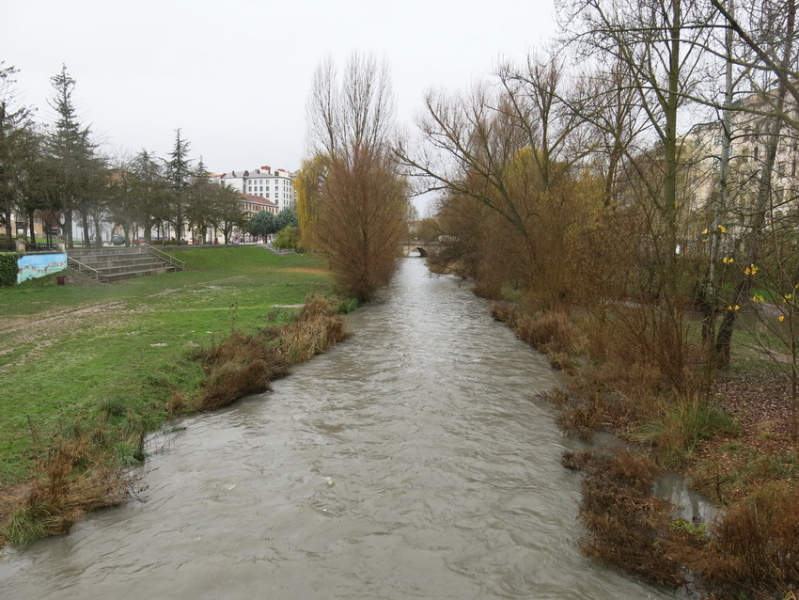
{"points": [[414, 460], [736, 445], [89, 369]]}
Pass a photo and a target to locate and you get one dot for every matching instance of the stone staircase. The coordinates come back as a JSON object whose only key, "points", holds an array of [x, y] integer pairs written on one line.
{"points": [[114, 264]]}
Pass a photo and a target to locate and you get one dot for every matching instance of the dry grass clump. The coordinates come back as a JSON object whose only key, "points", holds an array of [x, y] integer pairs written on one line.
{"points": [[76, 477], [550, 332], [756, 547], [625, 523], [239, 366], [576, 415], [505, 312], [244, 364], [316, 329]]}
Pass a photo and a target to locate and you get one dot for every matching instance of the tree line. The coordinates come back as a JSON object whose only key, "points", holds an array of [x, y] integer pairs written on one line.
{"points": [[640, 158], [586, 170], [57, 174]]}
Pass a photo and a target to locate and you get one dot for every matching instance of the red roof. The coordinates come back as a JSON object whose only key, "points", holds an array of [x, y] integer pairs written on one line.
{"points": [[257, 199]]}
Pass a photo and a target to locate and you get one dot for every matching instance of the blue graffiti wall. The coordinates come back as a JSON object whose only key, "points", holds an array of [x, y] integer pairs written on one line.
{"points": [[39, 265]]}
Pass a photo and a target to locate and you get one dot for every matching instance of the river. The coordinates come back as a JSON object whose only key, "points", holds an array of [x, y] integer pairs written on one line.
{"points": [[412, 461]]}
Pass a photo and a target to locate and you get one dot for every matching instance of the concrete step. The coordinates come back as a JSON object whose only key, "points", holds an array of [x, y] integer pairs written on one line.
{"points": [[110, 251], [145, 266], [117, 263], [112, 277]]}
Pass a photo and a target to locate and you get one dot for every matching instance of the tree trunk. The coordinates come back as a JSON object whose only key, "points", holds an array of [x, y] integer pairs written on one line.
{"points": [[31, 228], [773, 127], [68, 227], [709, 293]]}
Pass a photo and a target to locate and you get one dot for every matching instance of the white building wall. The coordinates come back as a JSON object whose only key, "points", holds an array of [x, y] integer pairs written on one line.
{"points": [[276, 185]]}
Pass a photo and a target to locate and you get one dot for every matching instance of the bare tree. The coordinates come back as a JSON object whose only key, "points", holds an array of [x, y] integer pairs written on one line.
{"points": [[511, 148], [359, 199]]}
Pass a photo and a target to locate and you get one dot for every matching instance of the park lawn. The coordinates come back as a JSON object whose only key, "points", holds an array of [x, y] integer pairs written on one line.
{"points": [[73, 355]]}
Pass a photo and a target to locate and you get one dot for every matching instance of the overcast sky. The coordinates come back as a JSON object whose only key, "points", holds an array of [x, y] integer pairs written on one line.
{"points": [[234, 75]]}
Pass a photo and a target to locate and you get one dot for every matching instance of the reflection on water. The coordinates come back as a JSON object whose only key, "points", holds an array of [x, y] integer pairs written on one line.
{"points": [[689, 504], [413, 461]]}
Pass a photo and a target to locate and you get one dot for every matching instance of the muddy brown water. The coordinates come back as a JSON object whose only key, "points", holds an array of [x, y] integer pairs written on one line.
{"points": [[413, 461]]}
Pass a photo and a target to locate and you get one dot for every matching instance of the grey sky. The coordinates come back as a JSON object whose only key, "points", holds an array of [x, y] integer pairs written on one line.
{"points": [[235, 75]]}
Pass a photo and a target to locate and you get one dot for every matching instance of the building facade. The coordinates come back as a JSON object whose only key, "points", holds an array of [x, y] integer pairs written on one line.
{"points": [[252, 204], [275, 185], [749, 138]]}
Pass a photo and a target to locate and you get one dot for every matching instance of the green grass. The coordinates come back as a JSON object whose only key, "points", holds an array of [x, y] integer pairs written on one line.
{"points": [[77, 349]]}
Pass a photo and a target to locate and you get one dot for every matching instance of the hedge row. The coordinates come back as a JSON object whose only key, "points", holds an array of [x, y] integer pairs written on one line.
{"points": [[8, 268]]}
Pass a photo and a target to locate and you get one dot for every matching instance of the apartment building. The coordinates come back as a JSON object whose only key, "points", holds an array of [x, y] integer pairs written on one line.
{"points": [[748, 152], [275, 185]]}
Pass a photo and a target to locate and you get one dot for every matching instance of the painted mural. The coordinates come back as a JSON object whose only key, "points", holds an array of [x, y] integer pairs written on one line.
{"points": [[39, 265]]}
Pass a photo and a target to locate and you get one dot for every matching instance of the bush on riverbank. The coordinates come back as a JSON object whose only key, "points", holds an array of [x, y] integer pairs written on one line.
{"points": [[550, 333], [755, 546], [626, 525], [751, 550], [733, 436], [78, 475], [244, 364]]}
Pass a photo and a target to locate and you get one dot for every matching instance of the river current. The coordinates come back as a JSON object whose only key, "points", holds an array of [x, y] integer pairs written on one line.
{"points": [[412, 461]]}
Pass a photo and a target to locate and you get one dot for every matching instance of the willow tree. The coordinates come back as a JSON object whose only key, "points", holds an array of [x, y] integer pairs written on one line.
{"points": [[509, 149], [359, 201], [309, 185]]}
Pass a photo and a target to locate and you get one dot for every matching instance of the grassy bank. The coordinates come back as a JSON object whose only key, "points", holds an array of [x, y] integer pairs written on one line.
{"points": [[86, 361]]}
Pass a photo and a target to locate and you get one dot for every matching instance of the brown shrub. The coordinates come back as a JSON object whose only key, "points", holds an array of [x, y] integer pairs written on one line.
{"points": [[75, 478], [244, 364], [644, 337], [549, 333], [625, 522], [755, 547]]}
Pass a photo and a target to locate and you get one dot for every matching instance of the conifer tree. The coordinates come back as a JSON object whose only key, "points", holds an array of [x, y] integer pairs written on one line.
{"points": [[178, 173]]}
